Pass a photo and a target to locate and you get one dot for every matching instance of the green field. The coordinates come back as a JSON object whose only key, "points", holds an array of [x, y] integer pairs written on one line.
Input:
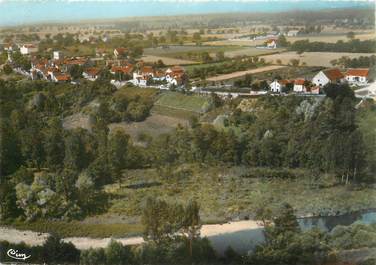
{"points": [[79, 229], [179, 101]]}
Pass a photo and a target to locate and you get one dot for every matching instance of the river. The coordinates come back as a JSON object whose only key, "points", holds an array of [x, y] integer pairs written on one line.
{"points": [[242, 236]]}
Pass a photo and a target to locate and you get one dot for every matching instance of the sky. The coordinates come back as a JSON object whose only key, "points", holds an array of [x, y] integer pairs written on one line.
{"points": [[20, 12]]}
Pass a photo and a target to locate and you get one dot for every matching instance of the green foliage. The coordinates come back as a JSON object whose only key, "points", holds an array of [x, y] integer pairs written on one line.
{"points": [[117, 254], [7, 69], [355, 45], [53, 251], [286, 245], [353, 237]]}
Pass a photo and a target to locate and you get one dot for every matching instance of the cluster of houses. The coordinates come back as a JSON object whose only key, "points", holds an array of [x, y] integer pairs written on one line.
{"points": [[58, 68], [354, 77]]}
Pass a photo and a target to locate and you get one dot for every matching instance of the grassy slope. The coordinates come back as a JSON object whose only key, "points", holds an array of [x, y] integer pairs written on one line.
{"points": [[175, 100]]}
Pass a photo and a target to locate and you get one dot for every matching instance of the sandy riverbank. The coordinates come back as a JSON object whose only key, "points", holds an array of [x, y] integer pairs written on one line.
{"points": [[210, 231]]}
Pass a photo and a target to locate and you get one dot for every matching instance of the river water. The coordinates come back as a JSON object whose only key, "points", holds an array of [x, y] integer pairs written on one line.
{"points": [[245, 240]]}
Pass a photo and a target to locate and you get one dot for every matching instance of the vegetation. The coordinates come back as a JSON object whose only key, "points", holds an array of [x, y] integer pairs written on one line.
{"points": [[53, 251], [354, 45]]}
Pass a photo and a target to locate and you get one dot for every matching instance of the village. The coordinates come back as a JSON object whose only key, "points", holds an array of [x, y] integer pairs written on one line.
{"points": [[125, 70]]}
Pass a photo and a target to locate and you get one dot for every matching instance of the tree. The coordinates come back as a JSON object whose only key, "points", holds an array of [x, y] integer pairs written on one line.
{"points": [[160, 220], [117, 254], [191, 224], [75, 71], [117, 153], [7, 69], [350, 35], [56, 251], [75, 153], [294, 62], [282, 42], [220, 55], [54, 144], [286, 221]]}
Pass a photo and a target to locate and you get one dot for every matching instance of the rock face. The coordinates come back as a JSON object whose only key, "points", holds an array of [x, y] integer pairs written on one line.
{"points": [[220, 120], [37, 101], [78, 120]]}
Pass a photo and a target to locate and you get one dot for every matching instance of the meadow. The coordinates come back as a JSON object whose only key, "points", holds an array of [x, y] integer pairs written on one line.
{"points": [[190, 103], [311, 58]]}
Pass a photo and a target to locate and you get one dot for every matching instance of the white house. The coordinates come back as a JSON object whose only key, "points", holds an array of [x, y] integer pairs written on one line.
{"points": [[271, 44], [91, 73], [328, 76], [357, 76], [275, 87], [292, 33], [299, 86], [28, 48], [57, 55]]}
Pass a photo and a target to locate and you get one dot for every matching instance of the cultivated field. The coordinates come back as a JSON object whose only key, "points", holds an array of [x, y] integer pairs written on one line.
{"points": [[251, 51], [322, 38], [166, 60], [311, 58], [242, 73]]}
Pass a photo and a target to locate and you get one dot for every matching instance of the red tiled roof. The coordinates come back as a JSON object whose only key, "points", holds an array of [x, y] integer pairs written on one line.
{"points": [[63, 77], [147, 70], [78, 61], [284, 82], [121, 50], [92, 71], [299, 82], [358, 72], [333, 74], [29, 46], [125, 69]]}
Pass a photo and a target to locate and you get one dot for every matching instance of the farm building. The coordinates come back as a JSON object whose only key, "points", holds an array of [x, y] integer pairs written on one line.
{"points": [[328, 76], [357, 76]]}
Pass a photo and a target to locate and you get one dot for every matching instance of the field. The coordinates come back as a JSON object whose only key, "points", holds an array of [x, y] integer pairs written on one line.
{"points": [[251, 51], [311, 58], [322, 38], [243, 73], [154, 125], [166, 60], [178, 101]]}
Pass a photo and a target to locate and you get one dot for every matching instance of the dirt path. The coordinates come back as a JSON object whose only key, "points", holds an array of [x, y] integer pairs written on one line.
{"points": [[215, 231], [242, 73]]}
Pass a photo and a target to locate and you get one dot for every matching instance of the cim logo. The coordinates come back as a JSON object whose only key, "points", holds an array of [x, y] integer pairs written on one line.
{"points": [[14, 254]]}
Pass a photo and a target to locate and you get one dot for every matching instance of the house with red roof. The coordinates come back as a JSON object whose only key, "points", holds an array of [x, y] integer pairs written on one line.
{"points": [[271, 44], [277, 85], [324, 77], [60, 77], [28, 49], [91, 73], [120, 52], [299, 85], [175, 75], [357, 77]]}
